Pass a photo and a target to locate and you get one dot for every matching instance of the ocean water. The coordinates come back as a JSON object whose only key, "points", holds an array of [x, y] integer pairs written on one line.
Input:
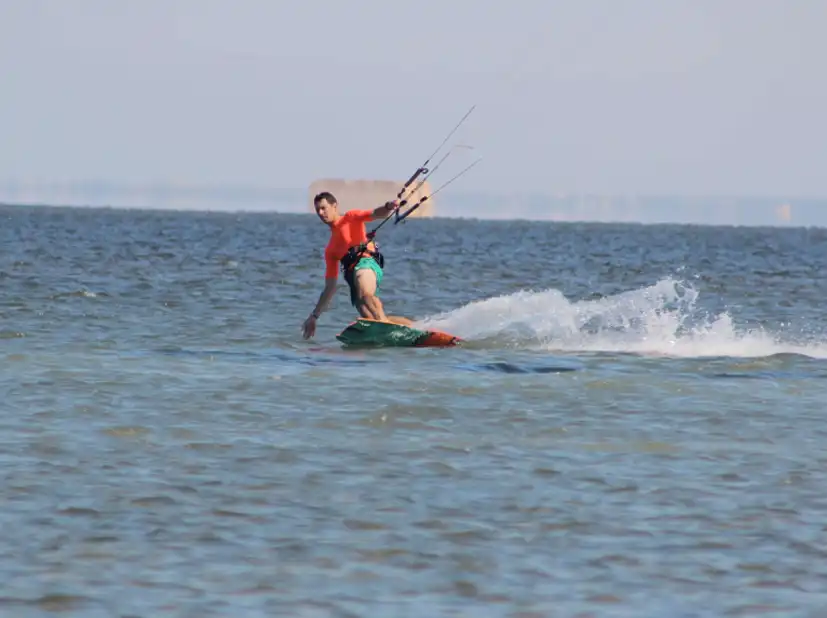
{"points": [[634, 426]]}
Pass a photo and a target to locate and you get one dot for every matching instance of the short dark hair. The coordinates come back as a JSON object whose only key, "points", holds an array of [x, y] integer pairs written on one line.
{"points": [[324, 195]]}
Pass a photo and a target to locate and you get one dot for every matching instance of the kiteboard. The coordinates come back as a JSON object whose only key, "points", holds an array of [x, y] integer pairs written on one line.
{"points": [[366, 332]]}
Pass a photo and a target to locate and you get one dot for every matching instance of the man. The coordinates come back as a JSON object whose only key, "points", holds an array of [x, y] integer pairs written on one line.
{"points": [[361, 262]]}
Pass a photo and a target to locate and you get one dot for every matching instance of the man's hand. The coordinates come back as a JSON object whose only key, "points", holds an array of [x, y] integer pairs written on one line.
{"points": [[309, 326], [387, 209]]}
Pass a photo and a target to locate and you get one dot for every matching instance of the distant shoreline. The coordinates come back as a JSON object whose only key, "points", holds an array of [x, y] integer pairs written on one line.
{"points": [[744, 213]]}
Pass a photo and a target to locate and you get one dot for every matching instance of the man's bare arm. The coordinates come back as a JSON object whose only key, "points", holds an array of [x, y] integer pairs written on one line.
{"points": [[309, 326], [383, 211], [325, 297]]}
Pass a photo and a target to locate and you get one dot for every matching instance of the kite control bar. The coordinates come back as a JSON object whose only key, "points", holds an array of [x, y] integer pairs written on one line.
{"points": [[423, 169]]}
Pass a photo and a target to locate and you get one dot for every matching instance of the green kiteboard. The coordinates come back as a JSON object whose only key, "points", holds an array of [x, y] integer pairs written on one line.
{"points": [[365, 332]]}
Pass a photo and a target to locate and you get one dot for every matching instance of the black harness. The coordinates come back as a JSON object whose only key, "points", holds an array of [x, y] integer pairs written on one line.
{"points": [[354, 254]]}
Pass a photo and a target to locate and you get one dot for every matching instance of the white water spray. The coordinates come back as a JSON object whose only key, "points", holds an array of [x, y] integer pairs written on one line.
{"points": [[661, 319]]}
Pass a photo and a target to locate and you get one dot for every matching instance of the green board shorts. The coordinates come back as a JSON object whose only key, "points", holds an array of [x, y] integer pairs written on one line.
{"points": [[370, 264]]}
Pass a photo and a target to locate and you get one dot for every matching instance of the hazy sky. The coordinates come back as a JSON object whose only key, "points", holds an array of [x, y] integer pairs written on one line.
{"points": [[642, 96]]}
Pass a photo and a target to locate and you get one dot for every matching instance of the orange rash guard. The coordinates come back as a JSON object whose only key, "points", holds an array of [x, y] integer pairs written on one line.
{"points": [[347, 232]]}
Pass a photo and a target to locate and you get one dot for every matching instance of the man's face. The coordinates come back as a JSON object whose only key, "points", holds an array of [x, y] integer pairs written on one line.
{"points": [[327, 212]]}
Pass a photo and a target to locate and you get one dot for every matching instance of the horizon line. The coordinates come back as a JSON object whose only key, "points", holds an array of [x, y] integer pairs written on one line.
{"points": [[455, 217], [170, 187]]}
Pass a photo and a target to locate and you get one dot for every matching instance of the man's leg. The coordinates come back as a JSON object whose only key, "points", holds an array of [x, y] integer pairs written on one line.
{"points": [[365, 285], [367, 303]]}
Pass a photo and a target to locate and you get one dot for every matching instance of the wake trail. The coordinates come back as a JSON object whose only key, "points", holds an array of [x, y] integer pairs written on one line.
{"points": [[661, 319]]}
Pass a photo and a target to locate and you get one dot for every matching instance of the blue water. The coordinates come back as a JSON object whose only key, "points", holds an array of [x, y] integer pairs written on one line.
{"points": [[633, 427]]}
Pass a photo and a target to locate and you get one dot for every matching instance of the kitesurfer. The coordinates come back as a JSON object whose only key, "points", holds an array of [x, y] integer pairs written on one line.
{"points": [[351, 249]]}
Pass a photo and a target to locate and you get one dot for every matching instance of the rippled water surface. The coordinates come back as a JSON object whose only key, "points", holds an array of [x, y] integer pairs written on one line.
{"points": [[633, 427]]}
